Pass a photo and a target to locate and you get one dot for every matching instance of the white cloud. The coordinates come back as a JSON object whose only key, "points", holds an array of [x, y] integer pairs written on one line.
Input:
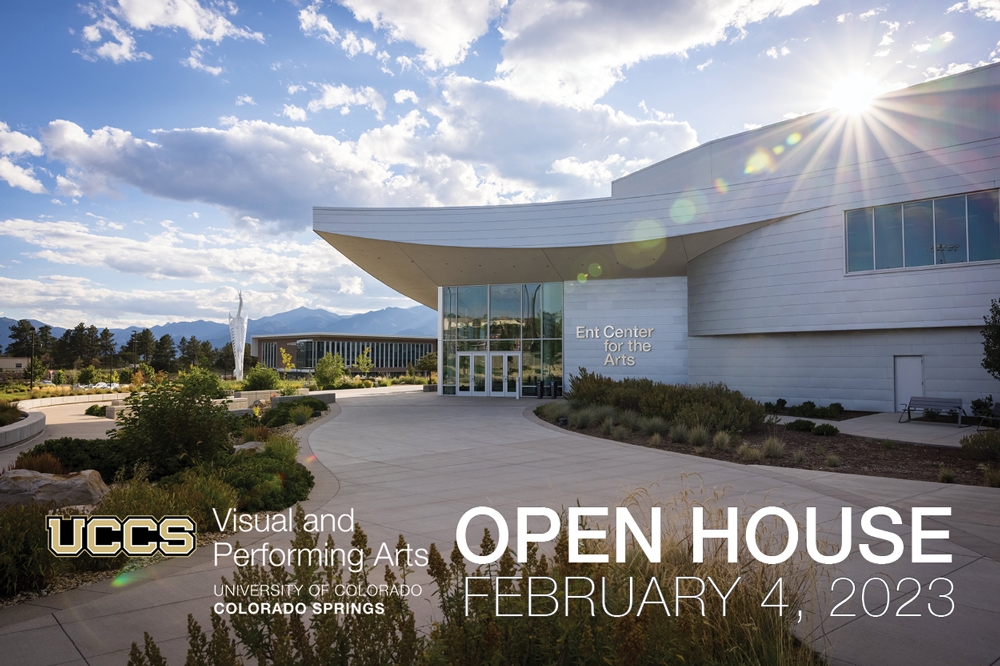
{"points": [[22, 177], [314, 24], [194, 61], [984, 9], [473, 145], [383, 58], [201, 23], [705, 64], [405, 63], [442, 29], [870, 13], [342, 97], [120, 48], [194, 215], [843, 17], [295, 113], [773, 52], [353, 46], [57, 202], [751, 126], [245, 99], [785, 51], [598, 172], [16, 143], [401, 96], [883, 53], [560, 52], [228, 121], [953, 68], [273, 276], [292, 89]]}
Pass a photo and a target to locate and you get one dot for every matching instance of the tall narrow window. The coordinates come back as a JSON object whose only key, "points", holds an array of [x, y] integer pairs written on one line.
{"points": [[859, 241], [950, 246], [889, 237], [918, 233], [984, 226]]}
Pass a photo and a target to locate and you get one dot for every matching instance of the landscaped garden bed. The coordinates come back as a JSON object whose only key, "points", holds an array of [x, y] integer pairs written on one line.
{"points": [[737, 430]]}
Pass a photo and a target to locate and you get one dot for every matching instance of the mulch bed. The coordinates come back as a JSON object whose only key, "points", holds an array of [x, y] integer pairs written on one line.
{"points": [[858, 455]]}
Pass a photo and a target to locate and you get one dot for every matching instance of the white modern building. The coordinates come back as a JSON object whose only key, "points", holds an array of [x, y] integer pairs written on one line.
{"points": [[832, 257]]}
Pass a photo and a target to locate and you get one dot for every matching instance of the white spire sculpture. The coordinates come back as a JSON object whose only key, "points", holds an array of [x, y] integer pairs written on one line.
{"points": [[238, 335]]}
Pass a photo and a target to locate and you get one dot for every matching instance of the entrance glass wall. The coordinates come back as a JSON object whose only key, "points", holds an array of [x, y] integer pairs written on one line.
{"points": [[502, 339]]}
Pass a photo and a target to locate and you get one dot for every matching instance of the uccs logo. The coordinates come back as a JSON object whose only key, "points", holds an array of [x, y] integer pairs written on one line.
{"points": [[107, 536]]}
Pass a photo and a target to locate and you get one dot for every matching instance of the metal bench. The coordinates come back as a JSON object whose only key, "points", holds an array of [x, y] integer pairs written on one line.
{"points": [[947, 405], [993, 416]]}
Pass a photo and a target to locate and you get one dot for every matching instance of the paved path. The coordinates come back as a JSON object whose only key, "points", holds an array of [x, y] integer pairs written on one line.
{"points": [[412, 463], [887, 426]]}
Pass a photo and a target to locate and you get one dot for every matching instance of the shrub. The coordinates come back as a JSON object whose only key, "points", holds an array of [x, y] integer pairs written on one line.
{"points": [[983, 445], [679, 433], [38, 462], [982, 406], [722, 440], [654, 425], [60, 378], [198, 491], [96, 410], [89, 375], [780, 403], [774, 448], [620, 432], [555, 410], [801, 425], [329, 370], [9, 413], [799, 457], [582, 418], [820, 449], [629, 419], [25, 561], [282, 413], [173, 426], [833, 460], [699, 436], [205, 381], [826, 430], [712, 405], [300, 414], [700, 450], [946, 474], [256, 433], [603, 412], [266, 482], [284, 448], [106, 456], [835, 409], [656, 440], [368, 383], [888, 444], [749, 453], [991, 476], [606, 426], [260, 378]]}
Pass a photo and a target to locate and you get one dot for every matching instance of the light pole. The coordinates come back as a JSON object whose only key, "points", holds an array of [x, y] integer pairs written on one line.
{"points": [[31, 366]]}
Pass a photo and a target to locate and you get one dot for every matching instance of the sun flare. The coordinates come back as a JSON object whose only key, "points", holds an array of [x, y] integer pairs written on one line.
{"points": [[854, 94]]}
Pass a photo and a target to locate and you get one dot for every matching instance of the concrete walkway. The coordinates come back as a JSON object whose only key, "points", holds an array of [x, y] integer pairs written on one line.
{"points": [[412, 463], [887, 426]]}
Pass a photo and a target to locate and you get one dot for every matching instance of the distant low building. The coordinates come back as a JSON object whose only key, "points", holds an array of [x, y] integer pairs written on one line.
{"points": [[391, 354], [14, 363]]}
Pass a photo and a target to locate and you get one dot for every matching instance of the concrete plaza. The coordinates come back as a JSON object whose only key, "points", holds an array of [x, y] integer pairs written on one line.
{"points": [[413, 463]]}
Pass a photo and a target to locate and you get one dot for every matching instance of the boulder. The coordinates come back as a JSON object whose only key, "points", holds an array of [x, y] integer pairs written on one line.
{"points": [[255, 447], [23, 486]]}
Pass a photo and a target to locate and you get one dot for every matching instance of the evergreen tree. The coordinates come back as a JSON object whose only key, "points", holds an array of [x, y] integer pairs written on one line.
{"points": [[164, 354], [44, 340], [106, 347], [991, 340], [20, 339]]}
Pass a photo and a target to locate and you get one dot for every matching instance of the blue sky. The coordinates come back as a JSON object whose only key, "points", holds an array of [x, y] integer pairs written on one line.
{"points": [[158, 155]]}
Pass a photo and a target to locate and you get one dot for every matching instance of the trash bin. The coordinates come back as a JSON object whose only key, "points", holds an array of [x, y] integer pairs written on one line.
{"points": [[538, 389]]}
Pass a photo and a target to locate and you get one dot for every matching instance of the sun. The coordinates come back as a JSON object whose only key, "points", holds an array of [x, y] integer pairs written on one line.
{"points": [[853, 94]]}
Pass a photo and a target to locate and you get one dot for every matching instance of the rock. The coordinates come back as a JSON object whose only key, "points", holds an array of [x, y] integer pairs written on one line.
{"points": [[23, 486], [253, 447]]}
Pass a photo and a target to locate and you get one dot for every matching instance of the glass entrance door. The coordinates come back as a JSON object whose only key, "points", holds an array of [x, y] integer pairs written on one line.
{"points": [[472, 374], [505, 374]]}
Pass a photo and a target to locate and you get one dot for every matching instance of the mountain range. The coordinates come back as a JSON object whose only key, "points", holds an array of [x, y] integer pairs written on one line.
{"points": [[418, 320]]}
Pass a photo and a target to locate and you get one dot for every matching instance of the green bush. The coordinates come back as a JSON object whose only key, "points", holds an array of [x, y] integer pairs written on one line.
{"points": [[106, 456], [722, 440], [300, 414], [654, 425], [25, 561], [206, 381], [173, 426], [260, 378], [329, 370], [282, 413], [801, 425], [825, 430], [982, 445], [89, 375], [773, 448], [279, 446], [96, 410], [197, 492], [9, 413], [679, 433], [265, 481], [712, 405]]}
